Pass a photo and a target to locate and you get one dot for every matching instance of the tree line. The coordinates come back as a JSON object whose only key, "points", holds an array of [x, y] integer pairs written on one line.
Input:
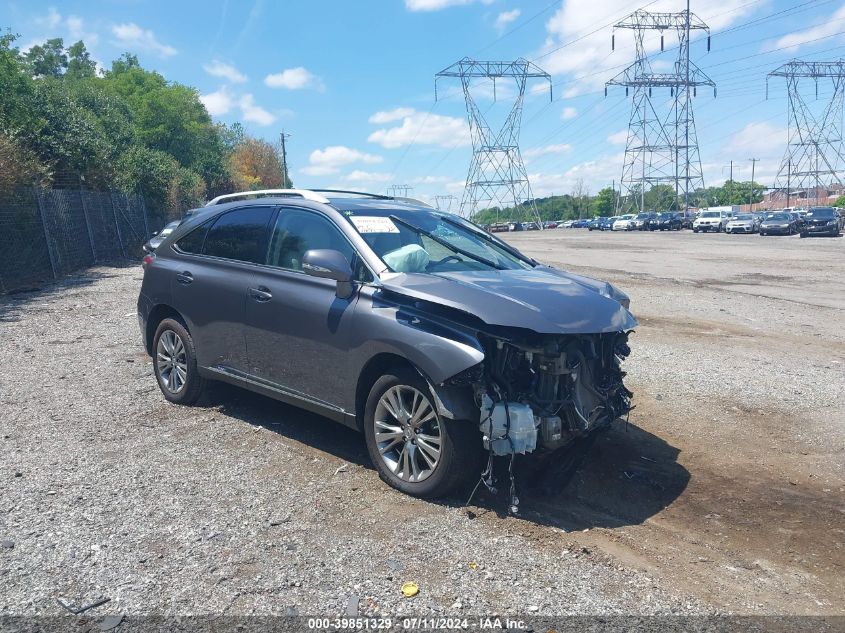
{"points": [[580, 204], [64, 123]]}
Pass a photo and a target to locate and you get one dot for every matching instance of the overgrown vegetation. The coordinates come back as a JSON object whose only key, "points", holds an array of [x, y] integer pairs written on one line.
{"points": [[63, 123]]}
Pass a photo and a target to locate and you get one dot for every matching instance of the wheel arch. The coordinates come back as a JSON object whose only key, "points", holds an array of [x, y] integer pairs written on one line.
{"points": [[158, 314]]}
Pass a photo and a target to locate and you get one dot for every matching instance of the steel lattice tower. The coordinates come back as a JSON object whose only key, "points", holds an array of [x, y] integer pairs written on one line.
{"points": [[662, 147], [497, 175], [814, 154]]}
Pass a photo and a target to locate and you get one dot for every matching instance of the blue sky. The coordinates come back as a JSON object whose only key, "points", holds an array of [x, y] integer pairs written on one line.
{"points": [[352, 82]]}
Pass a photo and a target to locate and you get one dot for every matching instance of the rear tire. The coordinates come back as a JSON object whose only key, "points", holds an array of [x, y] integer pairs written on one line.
{"points": [[455, 465], [175, 363]]}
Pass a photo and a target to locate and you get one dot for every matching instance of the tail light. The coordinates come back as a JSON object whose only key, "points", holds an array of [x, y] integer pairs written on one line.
{"points": [[149, 258]]}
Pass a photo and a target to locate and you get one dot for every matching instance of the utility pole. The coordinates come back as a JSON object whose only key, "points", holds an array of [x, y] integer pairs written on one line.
{"points": [[751, 188], [731, 191], [285, 178]]}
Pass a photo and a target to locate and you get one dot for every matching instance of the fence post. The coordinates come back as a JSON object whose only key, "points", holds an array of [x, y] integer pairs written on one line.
{"points": [[87, 222], [144, 212], [41, 214], [117, 226]]}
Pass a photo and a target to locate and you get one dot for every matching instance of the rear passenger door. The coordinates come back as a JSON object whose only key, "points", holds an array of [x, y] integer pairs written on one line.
{"points": [[297, 329], [212, 282]]}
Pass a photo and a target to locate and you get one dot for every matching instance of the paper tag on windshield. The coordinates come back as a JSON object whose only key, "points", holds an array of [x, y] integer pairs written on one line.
{"points": [[373, 224]]}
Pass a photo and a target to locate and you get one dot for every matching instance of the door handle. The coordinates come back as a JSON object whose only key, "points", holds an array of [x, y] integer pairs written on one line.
{"points": [[260, 294], [184, 277]]}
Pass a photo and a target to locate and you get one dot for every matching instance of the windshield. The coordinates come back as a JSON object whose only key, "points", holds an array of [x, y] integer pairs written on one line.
{"points": [[780, 216], [710, 214], [820, 213], [424, 242], [744, 217], [643, 216]]}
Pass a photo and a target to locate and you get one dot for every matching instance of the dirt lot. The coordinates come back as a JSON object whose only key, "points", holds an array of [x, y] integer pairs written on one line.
{"points": [[724, 494]]}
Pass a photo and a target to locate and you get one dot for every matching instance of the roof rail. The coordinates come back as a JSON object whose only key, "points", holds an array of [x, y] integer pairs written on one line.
{"points": [[356, 193], [306, 194]]}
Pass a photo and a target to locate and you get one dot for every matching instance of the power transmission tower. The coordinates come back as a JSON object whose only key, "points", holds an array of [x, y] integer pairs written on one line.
{"points": [[285, 179], [814, 156], [662, 147], [447, 199], [399, 191], [497, 175]]}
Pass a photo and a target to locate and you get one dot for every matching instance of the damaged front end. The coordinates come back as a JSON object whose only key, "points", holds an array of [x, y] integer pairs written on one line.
{"points": [[543, 392]]}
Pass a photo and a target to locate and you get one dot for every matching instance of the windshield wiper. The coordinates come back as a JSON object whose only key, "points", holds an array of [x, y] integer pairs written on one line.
{"points": [[504, 246], [451, 247]]}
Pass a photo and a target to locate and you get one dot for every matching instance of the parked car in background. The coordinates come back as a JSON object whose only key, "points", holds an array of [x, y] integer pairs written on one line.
{"points": [[158, 238], [607, 223], [499, 227], [710, 220], [566, 224], [821, 221], [550, 224], [742, 223], [439, 342], [595, 223], [623, 222], [779, 223], [646, 221], [516, 226], [580, 224], [670, 221]]}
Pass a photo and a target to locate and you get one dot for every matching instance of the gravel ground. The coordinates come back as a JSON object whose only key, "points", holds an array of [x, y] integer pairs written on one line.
{"points": [[245, 506], [723, 495]]}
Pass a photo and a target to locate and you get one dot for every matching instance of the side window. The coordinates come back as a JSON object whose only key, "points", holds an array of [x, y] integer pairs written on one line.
{"points": [[239, 234], [299, 231], [193, 241]]}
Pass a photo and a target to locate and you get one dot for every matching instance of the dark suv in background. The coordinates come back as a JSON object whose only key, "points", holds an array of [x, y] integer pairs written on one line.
{"points": [[412, 325]]}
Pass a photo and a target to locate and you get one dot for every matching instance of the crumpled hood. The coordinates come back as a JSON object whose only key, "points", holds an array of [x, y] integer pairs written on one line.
{"points": [[545, 300]]}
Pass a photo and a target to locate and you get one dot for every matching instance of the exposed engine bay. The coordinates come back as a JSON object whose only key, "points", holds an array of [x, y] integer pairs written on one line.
{"points": [[543, 392], [570, 386]]}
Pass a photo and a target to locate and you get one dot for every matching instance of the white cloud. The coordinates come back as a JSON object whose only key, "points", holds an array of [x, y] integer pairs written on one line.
{"points": [[323, 162], [596, 174], [218, 103], [760, 138], [591, 59], [294, 79], [505, 18], [367, 176], [618, 138], [254, 113], [430, 180], [219, 69], [556, 148], [437, 5], [388, 116], [568, 113], [51, 20], [830, 27], [133, 36], [423, 129], [72, 27]]}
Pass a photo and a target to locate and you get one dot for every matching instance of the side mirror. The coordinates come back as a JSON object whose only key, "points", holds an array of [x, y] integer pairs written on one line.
{"points": [[330, 264]]}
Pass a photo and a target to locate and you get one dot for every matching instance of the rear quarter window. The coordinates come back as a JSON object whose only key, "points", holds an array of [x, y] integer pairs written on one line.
{"points": [[194, 240]]}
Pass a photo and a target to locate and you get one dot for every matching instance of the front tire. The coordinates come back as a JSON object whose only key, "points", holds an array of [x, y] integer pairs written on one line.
{"points": [[413, 448], [175, 363]]}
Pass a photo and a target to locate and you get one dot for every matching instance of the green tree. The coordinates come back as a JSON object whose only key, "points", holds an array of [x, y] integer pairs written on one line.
{"points": [[604, 203], [80, 65], [48, 59]]}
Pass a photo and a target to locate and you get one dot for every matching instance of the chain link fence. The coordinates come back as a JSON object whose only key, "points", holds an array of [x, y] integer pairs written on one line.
{"points": [[48, 233]]}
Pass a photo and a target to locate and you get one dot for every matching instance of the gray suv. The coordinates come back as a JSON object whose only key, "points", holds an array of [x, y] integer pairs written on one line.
{"points": [[437, 340]]}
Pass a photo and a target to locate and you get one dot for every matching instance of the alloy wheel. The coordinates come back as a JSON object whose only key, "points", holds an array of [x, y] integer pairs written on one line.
{"points": [[172, 361], [407, 433]]}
